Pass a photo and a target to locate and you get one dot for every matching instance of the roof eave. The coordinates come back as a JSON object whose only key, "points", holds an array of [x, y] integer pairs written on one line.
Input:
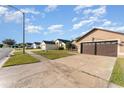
{"points": [[97, 29]]}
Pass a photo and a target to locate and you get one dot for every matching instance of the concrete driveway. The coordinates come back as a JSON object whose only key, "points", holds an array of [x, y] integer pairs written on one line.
{"points": [[73, 71], [99, 66]]}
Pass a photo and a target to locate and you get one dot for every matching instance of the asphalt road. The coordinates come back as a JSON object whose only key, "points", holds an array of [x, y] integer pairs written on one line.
{"points": [[4, 52]]}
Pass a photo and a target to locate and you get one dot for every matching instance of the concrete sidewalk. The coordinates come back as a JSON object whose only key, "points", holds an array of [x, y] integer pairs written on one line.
{"points": [[41, 58]]}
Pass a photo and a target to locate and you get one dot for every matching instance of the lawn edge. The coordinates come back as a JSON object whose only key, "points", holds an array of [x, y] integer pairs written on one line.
{"points": [[4, 66]]}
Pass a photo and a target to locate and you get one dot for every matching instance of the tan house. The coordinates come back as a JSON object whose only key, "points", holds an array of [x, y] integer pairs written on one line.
{"points": [[61, 43], [101, 42]]}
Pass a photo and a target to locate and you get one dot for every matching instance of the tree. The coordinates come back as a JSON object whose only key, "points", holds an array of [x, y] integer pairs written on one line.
{"points": [[68, 45], [9, 42], [20, 45], [1, 45]]}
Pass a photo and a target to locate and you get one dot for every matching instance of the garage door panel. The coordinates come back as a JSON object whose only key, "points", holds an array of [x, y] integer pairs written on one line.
{"points": [[88, 48], [107, 49]]}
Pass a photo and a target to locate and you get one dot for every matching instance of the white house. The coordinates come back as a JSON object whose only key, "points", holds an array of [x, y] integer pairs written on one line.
{"points": [[36, 45], [61, 43], [48, 45], [28, 45]]}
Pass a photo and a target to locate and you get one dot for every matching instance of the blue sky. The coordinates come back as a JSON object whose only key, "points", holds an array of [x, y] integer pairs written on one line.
{"points": [[52, 22]]}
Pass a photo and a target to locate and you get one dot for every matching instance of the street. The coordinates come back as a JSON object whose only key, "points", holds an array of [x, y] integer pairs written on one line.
{"points": [[4, 52]]}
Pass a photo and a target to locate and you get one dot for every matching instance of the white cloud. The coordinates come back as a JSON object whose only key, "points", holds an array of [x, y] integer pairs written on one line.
{"points": [[88, 21], [107, 22], [94, 18], [121, 29], [79, 8], [116, 28], [99, 11], [10, 15], [3, 10], [50, 8], [27, 20], [74, 19], [87, 11], [113, 28], [80, 24], [30, 10], [33, 28], [13, 16], [57, 28], [96, 12]]}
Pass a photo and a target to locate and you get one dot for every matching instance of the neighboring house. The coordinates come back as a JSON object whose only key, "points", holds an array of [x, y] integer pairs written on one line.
{"points": [[73, 45], [61, 43], [36, 44], [20, 45], [48, 45], [15, 46], [73, 42], [101, 42], [28, 45]]}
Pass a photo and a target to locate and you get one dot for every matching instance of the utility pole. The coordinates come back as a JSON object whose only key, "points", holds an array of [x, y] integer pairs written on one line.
{"points": [[23, 33]]}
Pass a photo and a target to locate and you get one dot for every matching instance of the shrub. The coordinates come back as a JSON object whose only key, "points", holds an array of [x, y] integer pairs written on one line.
{"points": [[61, 48]]}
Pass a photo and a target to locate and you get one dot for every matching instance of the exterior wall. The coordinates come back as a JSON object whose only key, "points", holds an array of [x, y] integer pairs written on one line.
{"points": [[102, 35], [28, 46], [60, 44], [45, 46], [75, 44], [51, 47], [63, 45], [57, 42], [35, 46], [38, 46]]}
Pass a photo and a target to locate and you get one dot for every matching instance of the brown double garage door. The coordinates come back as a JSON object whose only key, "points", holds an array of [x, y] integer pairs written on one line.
{"points": [[105, 48]]}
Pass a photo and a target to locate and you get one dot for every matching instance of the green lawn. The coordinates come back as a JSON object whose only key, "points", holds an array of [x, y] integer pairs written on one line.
{"points": [[117, 76], [19, 58], [53, 54]]}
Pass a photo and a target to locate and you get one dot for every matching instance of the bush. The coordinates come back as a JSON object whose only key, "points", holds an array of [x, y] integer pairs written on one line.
{"points": [[61, 48], [39, 48], [1, 45]]}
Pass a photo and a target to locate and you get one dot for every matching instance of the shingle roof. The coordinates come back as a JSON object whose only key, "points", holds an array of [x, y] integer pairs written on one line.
{"points": [[98, 29], [29, 43], [37, 43], [49, 42], [63, 40]]}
